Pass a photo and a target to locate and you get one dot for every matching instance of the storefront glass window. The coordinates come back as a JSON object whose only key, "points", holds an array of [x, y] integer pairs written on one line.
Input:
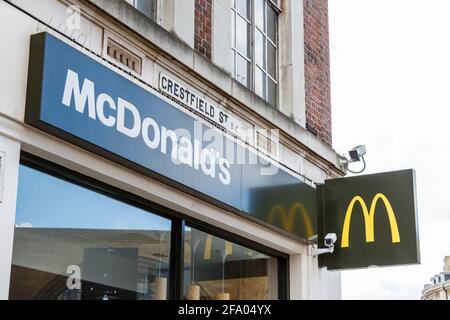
{"points": [[75, 243], [216, 269]]}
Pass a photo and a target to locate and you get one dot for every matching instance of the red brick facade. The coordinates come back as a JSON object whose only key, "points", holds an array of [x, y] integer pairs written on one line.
{"points": [[203, 27], [317, 69]]}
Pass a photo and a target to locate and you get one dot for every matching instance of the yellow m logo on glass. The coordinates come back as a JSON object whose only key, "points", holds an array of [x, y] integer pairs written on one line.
{"points": [[369, 215], [288, 219]]}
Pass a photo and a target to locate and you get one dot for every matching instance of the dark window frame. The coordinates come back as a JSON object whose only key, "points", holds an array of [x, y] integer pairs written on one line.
{"points": [[178, 223]]}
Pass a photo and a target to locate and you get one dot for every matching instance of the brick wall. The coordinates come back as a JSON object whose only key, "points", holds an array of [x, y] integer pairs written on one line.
{"points": [[317, 69], [203, 26]]}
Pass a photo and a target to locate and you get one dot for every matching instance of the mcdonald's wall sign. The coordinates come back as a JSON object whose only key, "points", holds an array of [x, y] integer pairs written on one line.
{"points": [[374, 217]]}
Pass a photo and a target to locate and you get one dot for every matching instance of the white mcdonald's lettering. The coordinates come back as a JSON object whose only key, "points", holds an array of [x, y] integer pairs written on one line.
{"points": [[185, 151]]}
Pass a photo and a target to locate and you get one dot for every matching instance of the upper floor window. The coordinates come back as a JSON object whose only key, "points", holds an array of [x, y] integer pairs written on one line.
{"points": [[147, 7], [254, 32]]}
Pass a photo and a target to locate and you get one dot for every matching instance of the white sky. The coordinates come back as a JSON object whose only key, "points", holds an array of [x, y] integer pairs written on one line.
{"points": [[390, 70]]}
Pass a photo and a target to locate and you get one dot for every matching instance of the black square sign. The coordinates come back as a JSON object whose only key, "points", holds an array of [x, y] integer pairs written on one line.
{"points": [[375, 220]]}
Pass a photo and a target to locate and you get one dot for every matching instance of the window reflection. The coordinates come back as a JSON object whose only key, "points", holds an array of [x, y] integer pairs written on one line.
{"points": [[216, 269], [75, 243]]}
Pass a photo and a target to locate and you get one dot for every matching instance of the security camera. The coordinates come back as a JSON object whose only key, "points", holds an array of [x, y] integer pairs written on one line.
{"points": [[357, 153], [330, 240]]}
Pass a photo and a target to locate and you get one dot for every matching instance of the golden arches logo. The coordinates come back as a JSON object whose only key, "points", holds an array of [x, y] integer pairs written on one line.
{"points": [[369, 215], [287, 219]]}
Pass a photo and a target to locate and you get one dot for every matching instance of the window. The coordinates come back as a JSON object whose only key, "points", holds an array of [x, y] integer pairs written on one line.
{"points": [[216, 269], [75, 240], [147, 7], [240, 40], [254, 29], [72, 243]]}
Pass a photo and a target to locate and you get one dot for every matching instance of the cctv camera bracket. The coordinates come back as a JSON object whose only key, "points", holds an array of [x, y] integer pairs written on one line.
{"points": [[318, 251], [345, 162]]}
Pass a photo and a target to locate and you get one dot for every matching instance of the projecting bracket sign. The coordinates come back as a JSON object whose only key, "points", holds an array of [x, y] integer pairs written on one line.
{"points": [[374, 217]]}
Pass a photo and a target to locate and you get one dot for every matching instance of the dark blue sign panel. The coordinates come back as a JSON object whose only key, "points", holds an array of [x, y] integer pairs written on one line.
{"points": [[78, 99]]}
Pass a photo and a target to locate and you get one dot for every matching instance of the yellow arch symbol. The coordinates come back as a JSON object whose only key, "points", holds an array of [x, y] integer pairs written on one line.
{"points": [[369, 216], [208, 248], [287, 220]]}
